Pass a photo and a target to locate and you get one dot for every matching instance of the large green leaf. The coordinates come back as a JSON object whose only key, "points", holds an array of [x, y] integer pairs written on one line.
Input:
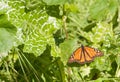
{"points": [[40, 34], [102, 10], [7, 34], [80, 15], [38, 28]]}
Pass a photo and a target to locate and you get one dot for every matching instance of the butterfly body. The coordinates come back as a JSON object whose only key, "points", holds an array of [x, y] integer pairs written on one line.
{"points": [[84, 55]]}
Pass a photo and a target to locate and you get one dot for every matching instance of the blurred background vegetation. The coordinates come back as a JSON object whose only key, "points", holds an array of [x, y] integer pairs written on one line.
{"points": [[37, 37]]}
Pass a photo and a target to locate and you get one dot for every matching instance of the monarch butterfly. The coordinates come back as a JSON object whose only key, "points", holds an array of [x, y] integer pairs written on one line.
{"points": [[84, 55]]}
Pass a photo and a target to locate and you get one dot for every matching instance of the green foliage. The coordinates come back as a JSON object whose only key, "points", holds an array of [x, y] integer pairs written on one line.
{"points": [[100, 33], [37, 37], [55, 2], [102, 10], [37, 26]]}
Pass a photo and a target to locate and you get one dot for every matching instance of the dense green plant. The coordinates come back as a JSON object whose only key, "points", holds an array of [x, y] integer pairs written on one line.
{"points": [[37, 37]]}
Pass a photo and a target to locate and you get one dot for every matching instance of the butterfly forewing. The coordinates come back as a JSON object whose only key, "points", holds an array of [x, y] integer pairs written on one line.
{"points": [[77, 54]]}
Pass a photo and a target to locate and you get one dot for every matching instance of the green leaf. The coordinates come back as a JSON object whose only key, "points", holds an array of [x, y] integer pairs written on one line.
{"points": [[67, 48], [38, 28], [7, 34], [101, 10], [102, 32], [79, 18], [40, 34]]}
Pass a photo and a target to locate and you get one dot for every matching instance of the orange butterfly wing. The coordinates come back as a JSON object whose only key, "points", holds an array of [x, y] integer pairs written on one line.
{"points": [[84, 54]]}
